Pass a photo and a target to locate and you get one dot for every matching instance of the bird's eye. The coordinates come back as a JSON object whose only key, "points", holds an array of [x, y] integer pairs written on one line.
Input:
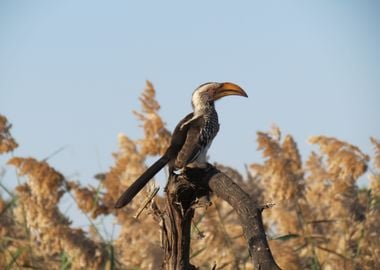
{"points": [[210, 92]]}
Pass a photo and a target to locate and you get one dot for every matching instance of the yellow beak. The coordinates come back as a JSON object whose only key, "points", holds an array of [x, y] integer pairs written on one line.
{"points": [[229, 89]]}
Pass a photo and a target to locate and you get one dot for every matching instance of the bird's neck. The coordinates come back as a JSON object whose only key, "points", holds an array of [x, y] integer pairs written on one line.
{"points": [[207, 108]]}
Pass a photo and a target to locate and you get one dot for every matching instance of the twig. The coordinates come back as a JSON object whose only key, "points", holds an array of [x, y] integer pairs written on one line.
{"points": [[332, 252], [146, 202], [267, 206], [55, 153]]}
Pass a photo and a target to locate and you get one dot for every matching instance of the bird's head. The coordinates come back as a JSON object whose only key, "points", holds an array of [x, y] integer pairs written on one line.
{"points": [[207, 93]]}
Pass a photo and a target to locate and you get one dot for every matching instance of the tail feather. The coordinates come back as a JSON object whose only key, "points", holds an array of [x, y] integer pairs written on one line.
{"points": [[136, 187]]}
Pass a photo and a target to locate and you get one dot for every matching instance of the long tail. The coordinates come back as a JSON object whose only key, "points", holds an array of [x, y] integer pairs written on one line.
{"points": [[135, 188]]}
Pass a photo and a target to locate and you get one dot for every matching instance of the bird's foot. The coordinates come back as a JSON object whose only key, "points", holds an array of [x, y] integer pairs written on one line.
{"points": [[179, 171]]}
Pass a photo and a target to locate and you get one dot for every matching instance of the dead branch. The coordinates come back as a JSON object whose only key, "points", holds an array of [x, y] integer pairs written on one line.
{"points": [[183, 193]]}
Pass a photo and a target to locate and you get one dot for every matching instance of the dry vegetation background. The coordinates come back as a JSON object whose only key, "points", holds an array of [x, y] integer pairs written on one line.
{"points": [[320, 220]]}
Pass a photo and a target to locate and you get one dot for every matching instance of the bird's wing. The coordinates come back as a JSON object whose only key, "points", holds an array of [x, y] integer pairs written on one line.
{"points": [[191, 146]]}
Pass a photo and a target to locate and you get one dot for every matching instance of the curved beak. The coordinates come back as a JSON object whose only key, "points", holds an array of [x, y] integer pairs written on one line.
{"points": [[229, 89]]}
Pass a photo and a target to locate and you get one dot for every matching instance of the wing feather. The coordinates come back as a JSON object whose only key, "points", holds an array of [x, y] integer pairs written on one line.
{"points": [[192, 146]]}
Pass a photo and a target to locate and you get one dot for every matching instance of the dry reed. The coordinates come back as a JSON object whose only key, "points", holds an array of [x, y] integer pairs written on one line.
{"points": [[321, 218]]}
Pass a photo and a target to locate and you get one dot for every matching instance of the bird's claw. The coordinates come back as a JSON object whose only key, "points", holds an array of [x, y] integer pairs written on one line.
{"points": [[179, 171]]}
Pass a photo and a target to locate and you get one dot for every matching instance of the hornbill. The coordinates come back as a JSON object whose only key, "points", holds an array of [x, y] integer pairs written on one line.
{"points": [[191, 138]]}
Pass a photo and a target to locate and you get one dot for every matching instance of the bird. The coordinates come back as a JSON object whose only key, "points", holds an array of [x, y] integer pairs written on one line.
{"points": [[191, 139]]}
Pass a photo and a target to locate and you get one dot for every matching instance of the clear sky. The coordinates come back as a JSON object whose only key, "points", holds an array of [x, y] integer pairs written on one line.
{"points": [[71, 72]]}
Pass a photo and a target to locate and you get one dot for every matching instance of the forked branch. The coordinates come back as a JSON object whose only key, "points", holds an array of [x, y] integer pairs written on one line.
{"points": [[183, 193]]}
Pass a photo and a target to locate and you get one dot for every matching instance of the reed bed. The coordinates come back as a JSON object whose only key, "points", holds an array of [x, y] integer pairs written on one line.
{"points": [[317, 216]]}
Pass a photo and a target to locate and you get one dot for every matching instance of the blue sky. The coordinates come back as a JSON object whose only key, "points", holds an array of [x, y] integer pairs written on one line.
{"points": [[71, 73]]}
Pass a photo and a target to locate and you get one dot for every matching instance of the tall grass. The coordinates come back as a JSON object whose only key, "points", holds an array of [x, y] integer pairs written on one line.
{"points": [[320, 218]]}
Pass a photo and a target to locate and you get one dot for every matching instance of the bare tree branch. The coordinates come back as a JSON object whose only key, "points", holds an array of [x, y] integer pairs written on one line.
{"points": [[184, 191]]}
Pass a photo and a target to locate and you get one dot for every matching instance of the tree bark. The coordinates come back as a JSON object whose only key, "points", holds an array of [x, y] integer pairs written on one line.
{"points": [[249, 213], [179, 211], [183, 192]]}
